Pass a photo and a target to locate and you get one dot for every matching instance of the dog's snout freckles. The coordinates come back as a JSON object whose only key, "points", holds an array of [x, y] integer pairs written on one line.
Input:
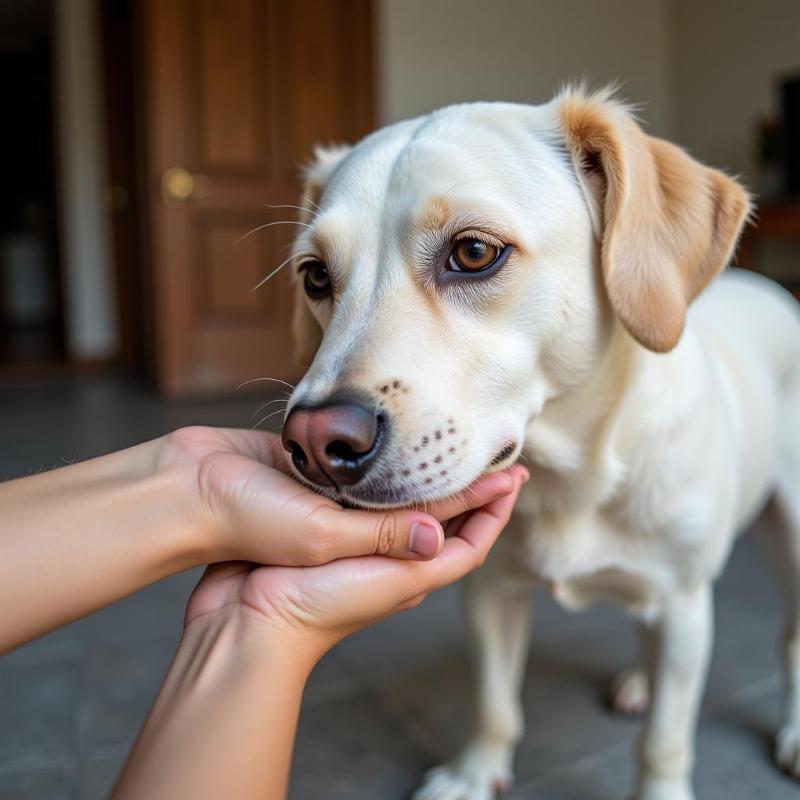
{"points": [[420, 455]]}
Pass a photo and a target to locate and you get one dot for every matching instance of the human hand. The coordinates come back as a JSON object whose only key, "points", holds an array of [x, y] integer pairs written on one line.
{"points": [[254, 633], [318, 606], [248, 507]]}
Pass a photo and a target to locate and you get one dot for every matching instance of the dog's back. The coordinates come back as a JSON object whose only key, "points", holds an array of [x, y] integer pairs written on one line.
{"points": [[756, 313]]}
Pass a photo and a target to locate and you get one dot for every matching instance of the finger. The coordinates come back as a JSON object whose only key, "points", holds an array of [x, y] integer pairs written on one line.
{"points": [[214, 587], [481, 492], [224, 570], [453, 526], [369, 588], [468, 550], [343, 533]]}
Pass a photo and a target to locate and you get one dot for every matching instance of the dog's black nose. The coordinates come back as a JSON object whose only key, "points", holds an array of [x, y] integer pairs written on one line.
{"points": [[333, 445]]}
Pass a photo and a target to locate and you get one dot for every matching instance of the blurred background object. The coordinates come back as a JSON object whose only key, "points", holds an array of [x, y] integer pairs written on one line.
{"points": [[140, 141], [143, 140]]}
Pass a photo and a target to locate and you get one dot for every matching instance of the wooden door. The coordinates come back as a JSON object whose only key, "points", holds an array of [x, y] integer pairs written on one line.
{"points": [[236, 93]]}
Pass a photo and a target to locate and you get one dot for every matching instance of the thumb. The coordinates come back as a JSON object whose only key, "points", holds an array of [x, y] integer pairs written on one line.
{"points": [[401, 534]]}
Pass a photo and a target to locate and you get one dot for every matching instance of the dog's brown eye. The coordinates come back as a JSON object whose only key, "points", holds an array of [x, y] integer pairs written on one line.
{"points": [[473, 255], [316, 281]]}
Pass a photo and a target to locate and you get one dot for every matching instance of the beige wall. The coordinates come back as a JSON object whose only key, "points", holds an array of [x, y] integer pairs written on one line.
{"points": [[728, 53], [703, 70], [434, 52]]}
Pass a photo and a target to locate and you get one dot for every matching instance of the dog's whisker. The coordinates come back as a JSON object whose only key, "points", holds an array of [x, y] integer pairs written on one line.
{"points": [[291, 205], [269, 225], [264, 419], [254, 380], [275, 444], [273, 273], [269, 403]]}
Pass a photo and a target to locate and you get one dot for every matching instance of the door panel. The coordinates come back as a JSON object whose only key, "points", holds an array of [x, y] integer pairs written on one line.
{"points": [[236, 94], [228, 130]]}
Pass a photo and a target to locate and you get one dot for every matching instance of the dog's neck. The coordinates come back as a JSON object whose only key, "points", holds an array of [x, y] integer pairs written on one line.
{"points": [[570, 443]]}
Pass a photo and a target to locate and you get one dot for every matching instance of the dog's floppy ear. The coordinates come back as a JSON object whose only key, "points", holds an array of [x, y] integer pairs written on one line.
{"points": [[667, 224], [306, 331]]}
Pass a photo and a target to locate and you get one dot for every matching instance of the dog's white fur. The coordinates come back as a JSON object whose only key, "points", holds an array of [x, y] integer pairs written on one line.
{"points": [[653, 435]]}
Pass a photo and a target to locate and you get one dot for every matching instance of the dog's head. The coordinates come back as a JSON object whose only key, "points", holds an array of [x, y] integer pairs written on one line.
{"points": [[458, 271]]}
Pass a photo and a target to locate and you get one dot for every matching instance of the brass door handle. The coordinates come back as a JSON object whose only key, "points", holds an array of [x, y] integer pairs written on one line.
{"points": [[179, 185]]}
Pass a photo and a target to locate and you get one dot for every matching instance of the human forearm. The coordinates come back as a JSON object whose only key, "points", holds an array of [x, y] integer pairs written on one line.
{"points": [[223, 724], [77, 538]]}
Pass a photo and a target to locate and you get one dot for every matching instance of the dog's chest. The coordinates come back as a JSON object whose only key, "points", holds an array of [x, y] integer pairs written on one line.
{"points": [[584, 549], [586, 558]]}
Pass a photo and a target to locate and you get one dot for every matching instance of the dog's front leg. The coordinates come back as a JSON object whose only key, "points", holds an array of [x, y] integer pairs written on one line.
{"points": [[683, 642], [498, 613]]}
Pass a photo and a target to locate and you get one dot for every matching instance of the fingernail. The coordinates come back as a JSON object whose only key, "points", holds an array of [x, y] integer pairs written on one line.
{"points": [[424, 539]]}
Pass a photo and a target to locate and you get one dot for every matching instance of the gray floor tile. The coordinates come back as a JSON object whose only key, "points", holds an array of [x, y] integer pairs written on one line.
{"points": [[96, 776], [607, 775], [734, 760], [38, 712], [49, 783], [332, 679], [409, 642], [562, 697], [348, 749], [733, 763], [387, 703], [121, 682], [154, 611]]}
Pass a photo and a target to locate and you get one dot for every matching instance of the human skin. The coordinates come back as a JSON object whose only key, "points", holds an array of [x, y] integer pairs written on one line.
{"points": [[224, 722], [80, 537]]}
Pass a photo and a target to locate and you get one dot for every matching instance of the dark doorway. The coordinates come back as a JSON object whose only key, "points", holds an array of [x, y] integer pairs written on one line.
{"points": [[31, 307]]}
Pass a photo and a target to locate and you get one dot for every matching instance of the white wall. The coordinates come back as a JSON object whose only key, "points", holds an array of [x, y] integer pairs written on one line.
{"points": [[90, 309], [434, 52]]}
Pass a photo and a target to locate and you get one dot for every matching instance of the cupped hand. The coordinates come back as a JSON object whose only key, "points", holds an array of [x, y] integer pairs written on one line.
{"points": [[252, 510], [324, 604]]}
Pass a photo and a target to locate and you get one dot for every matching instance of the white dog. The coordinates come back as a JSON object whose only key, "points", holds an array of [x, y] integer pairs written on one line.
{"points": [[497, 279]]}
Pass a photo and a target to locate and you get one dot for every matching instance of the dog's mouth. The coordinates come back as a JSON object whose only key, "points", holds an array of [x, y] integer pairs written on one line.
{"points": [[504, 454], [381, 489]]}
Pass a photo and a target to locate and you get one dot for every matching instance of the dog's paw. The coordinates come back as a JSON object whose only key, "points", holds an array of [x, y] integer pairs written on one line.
{"points": [[479, 773], [665, 790], [630, 692], [787, 749], [653, 786]]}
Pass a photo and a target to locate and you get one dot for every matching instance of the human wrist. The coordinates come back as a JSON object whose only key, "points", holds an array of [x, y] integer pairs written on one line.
{"points": [[236, 675], [195, 524], [253, 638]]}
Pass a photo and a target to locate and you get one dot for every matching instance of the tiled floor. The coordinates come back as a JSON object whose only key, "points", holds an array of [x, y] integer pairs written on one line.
{"points": [[389, 702]]}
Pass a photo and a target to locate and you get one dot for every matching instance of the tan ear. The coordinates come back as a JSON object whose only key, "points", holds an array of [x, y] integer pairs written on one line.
{"points": [[668, 224], [306, 332]]}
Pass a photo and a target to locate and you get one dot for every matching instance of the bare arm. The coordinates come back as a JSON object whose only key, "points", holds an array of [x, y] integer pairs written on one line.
{"points": [[78, 538], [224, 721]]}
